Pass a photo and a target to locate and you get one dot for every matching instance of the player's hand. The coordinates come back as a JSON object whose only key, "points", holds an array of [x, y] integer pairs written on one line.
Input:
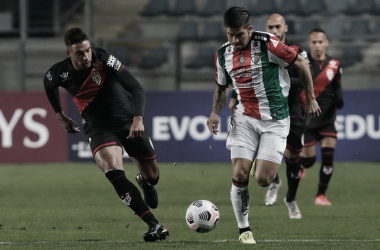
{"points": [[137, 127], [67, 123], [213, 123], [312, 110]]}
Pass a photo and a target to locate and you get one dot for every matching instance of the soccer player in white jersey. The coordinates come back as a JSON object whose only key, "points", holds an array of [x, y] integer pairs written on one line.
{"points": [[255, 64]]}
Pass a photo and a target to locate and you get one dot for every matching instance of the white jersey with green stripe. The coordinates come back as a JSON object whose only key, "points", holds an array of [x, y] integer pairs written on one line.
{"points": [[258, 75]]}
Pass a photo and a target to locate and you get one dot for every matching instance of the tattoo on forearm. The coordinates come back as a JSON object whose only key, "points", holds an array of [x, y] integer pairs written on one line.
{"points": [[220, 100]]}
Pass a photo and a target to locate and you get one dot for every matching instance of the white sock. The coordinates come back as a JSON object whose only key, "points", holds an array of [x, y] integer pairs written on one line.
{"points": [[240, 204]]}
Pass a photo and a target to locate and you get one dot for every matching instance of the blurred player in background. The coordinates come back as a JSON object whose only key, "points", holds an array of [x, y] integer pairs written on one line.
{"points": [[111, 102], [328, 93], [254, 63], [277, 26]]}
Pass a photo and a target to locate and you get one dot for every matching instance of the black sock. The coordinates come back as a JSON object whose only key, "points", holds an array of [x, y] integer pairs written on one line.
{"points": [[276, 178], [131, 196], [293, 166], [326, 170], [242, 230]]}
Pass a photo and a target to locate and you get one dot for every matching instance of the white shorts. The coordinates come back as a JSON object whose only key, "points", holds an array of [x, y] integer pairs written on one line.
{"points": [[264, 140]]}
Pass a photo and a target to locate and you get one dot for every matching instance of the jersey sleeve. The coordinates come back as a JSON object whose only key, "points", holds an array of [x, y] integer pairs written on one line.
{"points": [[110, 62], [52, 92], [221, 76], [280, 53]]}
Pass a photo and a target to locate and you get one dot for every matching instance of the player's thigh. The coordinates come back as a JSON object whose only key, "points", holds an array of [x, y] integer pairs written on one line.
{"points": [[328, 136], [294, 141], [329, 142], [273, 140], [140, 148], [107, 150], [242, 133], [109, 158], [310, 141], [265, 171]]}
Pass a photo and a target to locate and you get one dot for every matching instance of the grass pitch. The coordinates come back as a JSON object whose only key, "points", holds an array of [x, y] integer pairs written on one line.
{"points": [[73, 206]]}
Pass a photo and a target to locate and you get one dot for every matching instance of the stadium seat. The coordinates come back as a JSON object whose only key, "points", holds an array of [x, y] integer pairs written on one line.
{"points": [[263, 8], [213, 7], [359, 28], [334, 7], [307, 26], [188, 29], [205, 58], [183, 7], [361, 6], [287, 7], [312, 7], [246, 4], [154, 58], [155, 8], [213, 30], [333, 27], [350, 56]]}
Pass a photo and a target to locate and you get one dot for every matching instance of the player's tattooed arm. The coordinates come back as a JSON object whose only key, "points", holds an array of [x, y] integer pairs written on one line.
{"points": [[220, 100]]}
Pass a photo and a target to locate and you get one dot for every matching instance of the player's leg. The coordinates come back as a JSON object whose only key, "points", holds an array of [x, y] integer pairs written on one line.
{"points": [[327, 165], [108, 152], [269, 157], [144, 156], [242, 140], [292, 155], [308, 151], [239, 191]]}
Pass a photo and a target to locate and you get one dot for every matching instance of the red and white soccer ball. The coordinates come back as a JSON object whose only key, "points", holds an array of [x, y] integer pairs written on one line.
{"points": [[202, 216]]}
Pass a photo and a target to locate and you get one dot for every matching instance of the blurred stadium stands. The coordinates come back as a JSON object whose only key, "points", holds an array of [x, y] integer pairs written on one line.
{"points": [[169, 44]]}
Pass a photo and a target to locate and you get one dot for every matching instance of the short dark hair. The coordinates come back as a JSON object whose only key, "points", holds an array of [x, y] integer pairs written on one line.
{"points": [[236, 17], [75, 35], [317, 30]]}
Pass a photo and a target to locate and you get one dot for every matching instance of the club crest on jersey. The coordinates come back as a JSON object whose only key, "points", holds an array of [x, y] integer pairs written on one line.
{"points": [[241, 59], [256, 58], [330, 74], [97, 78]]}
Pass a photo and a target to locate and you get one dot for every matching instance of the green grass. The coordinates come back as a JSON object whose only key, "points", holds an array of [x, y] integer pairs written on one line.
{"points": [[73, 206]]}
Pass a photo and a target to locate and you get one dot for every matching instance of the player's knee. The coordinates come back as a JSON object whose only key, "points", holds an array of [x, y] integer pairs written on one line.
{"points": [[263, 181], [307, 162]]}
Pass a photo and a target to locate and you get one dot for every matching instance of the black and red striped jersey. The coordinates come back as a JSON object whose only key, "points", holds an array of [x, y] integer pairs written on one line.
{"points": [[296, 86], [327, 89], [106, 94]]}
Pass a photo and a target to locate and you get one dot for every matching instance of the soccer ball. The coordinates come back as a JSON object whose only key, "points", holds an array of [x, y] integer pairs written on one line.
{"points": [[202, 216]]}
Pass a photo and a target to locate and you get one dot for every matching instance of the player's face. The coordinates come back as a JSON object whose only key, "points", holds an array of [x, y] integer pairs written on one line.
{"points": [[239, 37], [80, 55], [277, 27], [318, 44]]}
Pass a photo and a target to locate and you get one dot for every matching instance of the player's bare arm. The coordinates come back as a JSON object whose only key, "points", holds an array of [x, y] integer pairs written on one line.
{"points": [[67, 123], [220, 100], [312, 109]]}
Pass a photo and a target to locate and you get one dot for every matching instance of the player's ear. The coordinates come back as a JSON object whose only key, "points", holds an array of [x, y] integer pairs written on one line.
{"points": [[68, 53], [250, 28], [286, 28]]}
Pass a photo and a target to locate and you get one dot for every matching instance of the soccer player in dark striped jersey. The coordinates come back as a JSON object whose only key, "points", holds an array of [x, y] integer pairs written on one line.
{"points": [[276, 25], [111, 102], [328, 93]]}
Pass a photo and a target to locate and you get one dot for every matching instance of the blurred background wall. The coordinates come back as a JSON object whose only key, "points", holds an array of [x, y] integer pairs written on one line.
{"points": [[170, 44]]}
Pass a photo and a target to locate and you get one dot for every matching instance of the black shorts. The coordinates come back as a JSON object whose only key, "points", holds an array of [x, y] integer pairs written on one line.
{"points": [[140, 148], [294, 140], [312, 135]]}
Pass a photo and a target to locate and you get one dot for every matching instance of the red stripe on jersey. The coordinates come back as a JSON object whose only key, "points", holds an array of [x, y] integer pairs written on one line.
{"points": [[281, 50], [242, 65], [250, 102], [321, 81], [90, 87]]}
